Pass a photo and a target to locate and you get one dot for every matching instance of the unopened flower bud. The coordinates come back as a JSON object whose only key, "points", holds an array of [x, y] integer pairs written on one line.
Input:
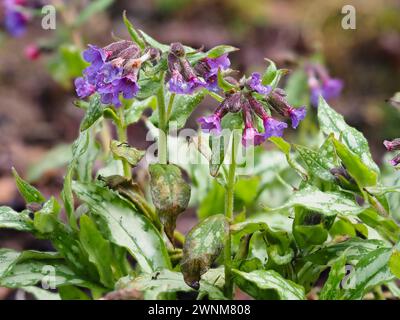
{"points": [[177, 49], [32, 52], [392, 145]]}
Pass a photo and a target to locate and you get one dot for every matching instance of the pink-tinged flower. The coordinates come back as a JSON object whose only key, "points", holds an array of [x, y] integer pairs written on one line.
{"points": [[296, 115], [250, 134], [273, 127], [32, 52], [84, 88], [392, 145], [15, 20], [212, 123], [252, 137], [256, 85], [395, 161]]}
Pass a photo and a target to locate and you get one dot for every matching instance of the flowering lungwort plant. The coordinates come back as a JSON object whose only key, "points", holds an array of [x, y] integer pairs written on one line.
{"points": [[286, 225]]}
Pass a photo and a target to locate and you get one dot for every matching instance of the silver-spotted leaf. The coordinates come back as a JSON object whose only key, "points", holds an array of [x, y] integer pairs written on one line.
{"points": [[268, 285], [170, 194], [203, 245]]}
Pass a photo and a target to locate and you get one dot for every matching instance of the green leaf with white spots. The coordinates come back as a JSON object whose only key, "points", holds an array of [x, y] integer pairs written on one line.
{"points": [[28, 268], [286, 148], [124, 226], [371, 270], [28, 192], [327, 203], [41, 294], [93, 113], [359, 171], [355, 249], [170, 194], [332, 122], [182, 108], [135, 111], [331, 289], [44, 219], [318, 163], [11, 219], [203, 245], [268, 285]]}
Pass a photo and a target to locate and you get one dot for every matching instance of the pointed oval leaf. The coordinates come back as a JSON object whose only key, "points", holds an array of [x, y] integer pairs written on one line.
{"points": [[332, 122], [125, 226], [170, 194], [203, 245], [28, 192], [268, 285]]}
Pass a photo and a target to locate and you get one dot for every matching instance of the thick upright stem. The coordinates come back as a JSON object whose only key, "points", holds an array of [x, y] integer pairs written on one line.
{"points": [[123, 137], [162, 118], [229, 197]]}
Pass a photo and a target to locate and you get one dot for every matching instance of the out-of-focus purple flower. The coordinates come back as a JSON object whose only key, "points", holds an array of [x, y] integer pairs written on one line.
{"points": [[15, 20], [395, 161], [256, 85], [84, 88], [178, 84], [392, 145], [252, 137], [296, 115], [273, 127], [320, 83]]}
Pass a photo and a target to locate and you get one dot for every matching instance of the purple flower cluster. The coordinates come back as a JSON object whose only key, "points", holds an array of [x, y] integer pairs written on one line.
{"points": [[182, 78], [15, 19], [320, 83], [393, 146], [250, 106], [113, 72]]}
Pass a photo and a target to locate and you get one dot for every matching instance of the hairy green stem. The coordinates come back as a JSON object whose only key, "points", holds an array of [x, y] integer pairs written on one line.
{"points": [[162, 119], [123, 137], [229, 197], [170, 104]]}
